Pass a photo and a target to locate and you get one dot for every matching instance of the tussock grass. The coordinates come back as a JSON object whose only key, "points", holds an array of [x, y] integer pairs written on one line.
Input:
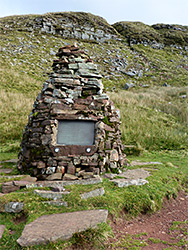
{"points": [[153, 118], [14, 110], [13, 80]]}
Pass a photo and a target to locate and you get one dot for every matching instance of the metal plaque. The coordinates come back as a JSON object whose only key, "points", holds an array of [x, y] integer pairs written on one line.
{"points": [[75, 132]]}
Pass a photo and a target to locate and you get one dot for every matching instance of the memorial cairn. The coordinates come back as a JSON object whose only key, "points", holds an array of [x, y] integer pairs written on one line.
{"points": [[73, 131]]}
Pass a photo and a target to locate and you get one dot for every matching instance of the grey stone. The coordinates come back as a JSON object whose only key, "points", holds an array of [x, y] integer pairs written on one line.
{"points": [[50, 170], [141, 163], [29, 178], [166, 85], [100, 97], [50, 194], [6, 170], [90, 181], [126, 183], [89, 66], [129, 73], [114, 156], [14, 207], [87, 73], [9, 187], [85, 175], [135, 174], [21, 183], [113, 165], [73, 66], [128, 86], [62, 226], [71, 169], [58, 189], [56, 93], [10, 161], [93, 193], [2, 228], [55, 176], [57, 203], [70, 177], [110, 176]]}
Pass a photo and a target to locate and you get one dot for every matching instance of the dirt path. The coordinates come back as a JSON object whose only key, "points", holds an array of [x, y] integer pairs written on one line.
{"points": [[154, 230]]}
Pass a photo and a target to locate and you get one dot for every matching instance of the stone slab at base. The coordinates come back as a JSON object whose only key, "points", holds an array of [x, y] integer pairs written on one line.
{"points": [[93, 193], [49, 228], [54, 184], [126, 183]]}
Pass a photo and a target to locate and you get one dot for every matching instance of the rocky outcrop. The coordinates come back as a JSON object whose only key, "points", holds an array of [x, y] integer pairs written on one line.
{"points": [[86, 26], [156, 35], [74, 129], [77, 25]]}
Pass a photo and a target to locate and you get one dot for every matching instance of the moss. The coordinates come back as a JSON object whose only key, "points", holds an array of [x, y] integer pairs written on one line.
{"points": [[107, 122], [35, 114]]}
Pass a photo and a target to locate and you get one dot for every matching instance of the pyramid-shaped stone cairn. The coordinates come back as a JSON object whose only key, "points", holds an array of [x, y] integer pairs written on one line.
{"points": [[74, 129]]}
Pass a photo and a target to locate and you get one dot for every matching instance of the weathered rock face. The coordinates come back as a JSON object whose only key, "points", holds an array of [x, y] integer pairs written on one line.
{"points": [[73, 129], [77, 25]]}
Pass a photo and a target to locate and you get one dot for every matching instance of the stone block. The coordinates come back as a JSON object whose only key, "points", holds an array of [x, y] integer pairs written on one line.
{"points": [[9, 187], [57, 203], [37, 232], [69, 177], [6, 170], [71, 169], [50, 194], [93, 193], [55, 176], [29, 178], [58, 189], [14, 207], [110, 176], [126, 183], [114, 156], [113, 165], [21, 184], [41, 164], [87, 175]]}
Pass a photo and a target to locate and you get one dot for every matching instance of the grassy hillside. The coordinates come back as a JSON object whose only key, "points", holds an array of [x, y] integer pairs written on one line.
{"points": [[154, 116], [147, 109]]}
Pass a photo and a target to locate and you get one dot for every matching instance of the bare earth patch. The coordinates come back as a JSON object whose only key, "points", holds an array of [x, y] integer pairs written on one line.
{"points": [[155, 231]]}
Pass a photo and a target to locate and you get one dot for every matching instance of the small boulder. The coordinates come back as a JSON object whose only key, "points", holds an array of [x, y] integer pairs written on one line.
{"points": [[14, 207], [9, 187], [128, 86], [93, 193]]}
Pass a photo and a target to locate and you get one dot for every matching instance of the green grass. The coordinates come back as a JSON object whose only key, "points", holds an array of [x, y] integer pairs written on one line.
{"points": [[133, 200], [154, 119], [154, 122]]}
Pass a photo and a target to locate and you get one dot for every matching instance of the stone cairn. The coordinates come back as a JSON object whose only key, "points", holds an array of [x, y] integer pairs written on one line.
{"points": [[73, 92]]}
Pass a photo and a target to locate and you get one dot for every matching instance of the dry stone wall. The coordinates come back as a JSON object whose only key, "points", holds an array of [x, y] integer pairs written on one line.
{"points": [[73, 92]]}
